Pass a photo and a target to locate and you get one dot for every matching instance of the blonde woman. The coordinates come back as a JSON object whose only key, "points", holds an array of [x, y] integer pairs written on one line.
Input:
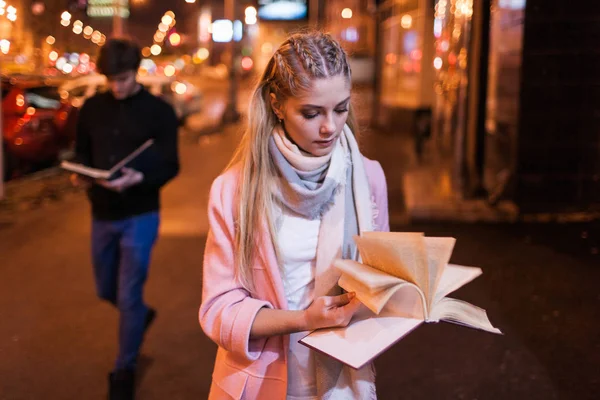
{"points": [[295, 193]]}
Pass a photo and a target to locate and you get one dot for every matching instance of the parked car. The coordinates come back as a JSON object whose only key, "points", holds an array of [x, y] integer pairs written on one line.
{"points": [[185, 98], [37, 125]]}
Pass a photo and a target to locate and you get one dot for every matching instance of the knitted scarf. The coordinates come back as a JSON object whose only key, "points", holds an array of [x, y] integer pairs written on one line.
{"points": [[334, 188]]}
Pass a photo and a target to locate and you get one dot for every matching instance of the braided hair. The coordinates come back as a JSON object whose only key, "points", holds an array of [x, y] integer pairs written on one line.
{"points": [[302, 58]]}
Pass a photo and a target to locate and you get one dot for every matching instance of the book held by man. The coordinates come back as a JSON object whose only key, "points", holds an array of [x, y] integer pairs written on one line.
{"points": [[403, 281], [102, 173]]}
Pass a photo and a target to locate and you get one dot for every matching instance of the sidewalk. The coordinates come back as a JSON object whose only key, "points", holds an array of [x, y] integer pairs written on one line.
{"points": [[430, 196]]}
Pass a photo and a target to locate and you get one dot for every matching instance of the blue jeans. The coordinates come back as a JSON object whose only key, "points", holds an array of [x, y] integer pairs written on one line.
{"points": [[121, 255]]}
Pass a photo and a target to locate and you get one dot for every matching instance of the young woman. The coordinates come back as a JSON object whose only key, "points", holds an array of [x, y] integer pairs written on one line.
{"points": [[290, 202]]}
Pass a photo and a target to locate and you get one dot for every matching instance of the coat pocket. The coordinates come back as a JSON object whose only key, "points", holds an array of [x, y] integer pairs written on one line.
{"points": [[230, 380]]}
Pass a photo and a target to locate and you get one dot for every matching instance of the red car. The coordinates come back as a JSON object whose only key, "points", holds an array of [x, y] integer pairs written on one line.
{"points": [[37, 125]]}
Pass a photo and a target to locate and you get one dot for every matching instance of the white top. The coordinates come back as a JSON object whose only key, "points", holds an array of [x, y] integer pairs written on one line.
{"points": [[297, 240]]}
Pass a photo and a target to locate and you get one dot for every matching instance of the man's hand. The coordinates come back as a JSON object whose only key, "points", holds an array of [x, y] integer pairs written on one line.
{"points": [[80, 181], [130, 178]]}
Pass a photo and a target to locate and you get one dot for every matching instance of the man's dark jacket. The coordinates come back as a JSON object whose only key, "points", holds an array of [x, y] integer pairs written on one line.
{"points": [[108, 130]]}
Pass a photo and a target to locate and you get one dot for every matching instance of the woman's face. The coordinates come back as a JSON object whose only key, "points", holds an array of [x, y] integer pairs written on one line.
{"points": [[315, 120]]}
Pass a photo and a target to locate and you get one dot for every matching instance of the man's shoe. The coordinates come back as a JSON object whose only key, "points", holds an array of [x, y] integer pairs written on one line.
{"points": [[121, 385], [150, 316]]}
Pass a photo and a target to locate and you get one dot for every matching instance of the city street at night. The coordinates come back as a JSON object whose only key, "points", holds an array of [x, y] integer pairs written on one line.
{"points": [[57, 340], [482, 114]]}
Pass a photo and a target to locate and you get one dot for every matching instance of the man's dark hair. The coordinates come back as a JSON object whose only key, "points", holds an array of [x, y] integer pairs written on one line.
{"points": [[118, 56]]}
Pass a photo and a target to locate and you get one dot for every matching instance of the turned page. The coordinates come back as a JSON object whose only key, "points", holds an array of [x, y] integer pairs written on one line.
{"points": [[439, 251], [403, 255], [375, 289]]}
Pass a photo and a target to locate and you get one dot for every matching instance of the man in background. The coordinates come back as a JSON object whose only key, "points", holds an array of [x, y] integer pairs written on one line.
{"points": [[125, 210]]}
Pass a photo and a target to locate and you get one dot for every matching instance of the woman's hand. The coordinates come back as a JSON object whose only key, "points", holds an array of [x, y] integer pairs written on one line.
{"points": [[324, 312], [331, 311]]}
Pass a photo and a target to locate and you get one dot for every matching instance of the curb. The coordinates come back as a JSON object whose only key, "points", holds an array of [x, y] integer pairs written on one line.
{"points": [[425, 204], [32, 191]]}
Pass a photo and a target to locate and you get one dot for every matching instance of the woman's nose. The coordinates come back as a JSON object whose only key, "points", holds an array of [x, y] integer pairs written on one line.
{"points": [[328, 127]]}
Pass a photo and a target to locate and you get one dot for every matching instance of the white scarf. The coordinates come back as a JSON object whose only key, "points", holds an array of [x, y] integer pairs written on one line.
{"points": [[334, 379]]}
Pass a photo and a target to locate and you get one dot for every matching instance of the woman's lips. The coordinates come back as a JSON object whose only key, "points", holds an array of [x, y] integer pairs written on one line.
{"points": [[325, 143]]}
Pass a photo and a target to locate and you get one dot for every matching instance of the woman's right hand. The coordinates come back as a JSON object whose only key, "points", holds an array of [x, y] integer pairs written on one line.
{"points": [[331, 311]]}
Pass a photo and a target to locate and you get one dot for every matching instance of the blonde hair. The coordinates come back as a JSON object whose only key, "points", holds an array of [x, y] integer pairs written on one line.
{"points": [[301, 59]]}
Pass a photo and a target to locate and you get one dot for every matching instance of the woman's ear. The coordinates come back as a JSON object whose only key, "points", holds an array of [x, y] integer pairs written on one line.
{"points": [[276, 106]]}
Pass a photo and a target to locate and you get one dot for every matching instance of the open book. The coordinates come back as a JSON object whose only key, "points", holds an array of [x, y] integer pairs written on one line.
{"points": [[102, 173], [403, 281]]}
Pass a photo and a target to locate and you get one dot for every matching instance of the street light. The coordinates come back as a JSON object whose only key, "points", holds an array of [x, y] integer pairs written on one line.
{"points": [[346, 13], [202, 53], [169, 70], [87, 32], [155, 49], [175, 39], [251, 14], [38, 8], [4, 46]]}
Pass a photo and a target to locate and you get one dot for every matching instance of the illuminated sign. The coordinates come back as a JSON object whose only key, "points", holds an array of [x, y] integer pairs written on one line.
{"points": [[222, 30], [282, 10], [106, 8]]}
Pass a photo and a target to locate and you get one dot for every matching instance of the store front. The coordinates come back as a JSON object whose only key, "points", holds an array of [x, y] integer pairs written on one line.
{"points": [[502, 106], [405, 86], [477, 62]]}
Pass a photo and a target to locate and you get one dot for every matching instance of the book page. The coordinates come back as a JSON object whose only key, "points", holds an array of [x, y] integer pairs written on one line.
{"points": [[406, 301], [366, 337], [439, 251], [463, 313], [402, 255], [376, 290], [372, 279], [84, 170], [403, 299], [454, 277], [97, 173]]}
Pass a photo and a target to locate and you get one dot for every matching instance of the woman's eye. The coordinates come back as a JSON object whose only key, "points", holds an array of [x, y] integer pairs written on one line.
{"points": [[341, 111], [309, 116]]}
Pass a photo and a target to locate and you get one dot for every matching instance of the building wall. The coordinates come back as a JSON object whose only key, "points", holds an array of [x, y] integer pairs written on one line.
{"points": [[404, 63], [558, 167]]}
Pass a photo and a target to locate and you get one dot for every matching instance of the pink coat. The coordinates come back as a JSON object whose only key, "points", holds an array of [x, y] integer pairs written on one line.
{"points": [[257, 368]]}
